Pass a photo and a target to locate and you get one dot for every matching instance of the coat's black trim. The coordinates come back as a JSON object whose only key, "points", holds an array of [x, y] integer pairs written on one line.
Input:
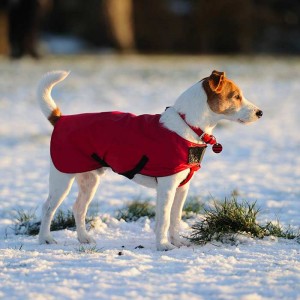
{"points": [[129, 174], [99, 160], [141, 164]]}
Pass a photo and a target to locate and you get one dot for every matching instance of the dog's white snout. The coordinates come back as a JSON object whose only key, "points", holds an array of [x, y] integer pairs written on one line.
{"points": [[249, 112]]}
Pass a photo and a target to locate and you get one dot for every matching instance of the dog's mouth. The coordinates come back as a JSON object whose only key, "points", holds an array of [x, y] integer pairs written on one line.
{"points": [[245, 122], [241, 121]]}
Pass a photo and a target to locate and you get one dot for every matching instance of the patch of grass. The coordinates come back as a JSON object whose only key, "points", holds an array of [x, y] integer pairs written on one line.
{"points": [[63, 220], [27, 224], [192, 207], [135, 210], [23, 216], [88, 249], [277, 230], [226, 219]]}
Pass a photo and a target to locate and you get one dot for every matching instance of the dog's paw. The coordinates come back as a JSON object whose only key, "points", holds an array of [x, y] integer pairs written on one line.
{"points": [[86, 239], [47, 240], [165, 246], [180, 241]]}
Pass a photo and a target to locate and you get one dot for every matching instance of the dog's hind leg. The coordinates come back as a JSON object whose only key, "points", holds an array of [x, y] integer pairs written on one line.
{"points": [[59, 187], [87, 183]]}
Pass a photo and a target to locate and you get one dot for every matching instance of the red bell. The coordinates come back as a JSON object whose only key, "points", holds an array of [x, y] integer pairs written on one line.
{"points": [[217, 148]]}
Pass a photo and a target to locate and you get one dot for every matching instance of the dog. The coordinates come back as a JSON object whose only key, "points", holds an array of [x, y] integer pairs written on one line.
{"points": [[158, 151]]}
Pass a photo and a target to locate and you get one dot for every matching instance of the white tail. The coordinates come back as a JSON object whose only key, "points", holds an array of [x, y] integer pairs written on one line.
{"points": [[45, 86]]}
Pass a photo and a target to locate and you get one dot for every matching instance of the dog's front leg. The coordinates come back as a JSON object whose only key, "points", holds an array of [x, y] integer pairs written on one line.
{"points": [[176, 214], [166, 189]]}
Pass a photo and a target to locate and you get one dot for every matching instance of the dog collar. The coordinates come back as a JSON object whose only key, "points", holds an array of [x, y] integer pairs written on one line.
{"points": [[203, 136]]}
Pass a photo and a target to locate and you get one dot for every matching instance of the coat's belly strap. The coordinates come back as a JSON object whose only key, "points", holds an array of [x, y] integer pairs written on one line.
{"points": [[129, 174]]}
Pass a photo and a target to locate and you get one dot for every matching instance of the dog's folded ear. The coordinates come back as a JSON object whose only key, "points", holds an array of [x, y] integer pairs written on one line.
{"points": [[216, 81]]}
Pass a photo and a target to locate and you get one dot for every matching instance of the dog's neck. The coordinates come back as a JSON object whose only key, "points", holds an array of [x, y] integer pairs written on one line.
{"points": [[193, 105]]}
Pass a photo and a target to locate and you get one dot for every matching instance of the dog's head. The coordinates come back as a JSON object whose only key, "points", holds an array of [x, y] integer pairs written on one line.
{"points": [[225, 98]]}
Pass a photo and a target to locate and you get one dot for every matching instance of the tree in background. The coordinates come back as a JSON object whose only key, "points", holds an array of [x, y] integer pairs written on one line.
{"points": [[119, 14], [4, 47], [24, 18]]}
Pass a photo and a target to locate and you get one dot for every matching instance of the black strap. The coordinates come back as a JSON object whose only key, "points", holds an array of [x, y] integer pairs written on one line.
{"points": [[140, 166], [129, 174], [99, 160]]}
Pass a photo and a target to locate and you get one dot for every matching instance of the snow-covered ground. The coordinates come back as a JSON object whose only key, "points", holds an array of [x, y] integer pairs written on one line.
{"points": [[261, 161]]}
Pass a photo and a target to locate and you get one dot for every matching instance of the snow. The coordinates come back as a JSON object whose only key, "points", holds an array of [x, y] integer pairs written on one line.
{"points": [[260, 161]]}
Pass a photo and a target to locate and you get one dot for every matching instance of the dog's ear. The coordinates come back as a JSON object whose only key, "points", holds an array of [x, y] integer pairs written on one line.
{"points": [[216, 81]]}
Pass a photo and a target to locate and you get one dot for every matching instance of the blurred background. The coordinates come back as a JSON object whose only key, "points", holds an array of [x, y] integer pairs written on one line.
{"points": [[40, 27]]}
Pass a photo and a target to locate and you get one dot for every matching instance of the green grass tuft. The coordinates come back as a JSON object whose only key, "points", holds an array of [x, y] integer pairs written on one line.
{"points": [[226, 219], [138, 209], [27, 224], [135, 210], [276, 229], [192, 207], [88, 249], [63, 220], [23, 216]]}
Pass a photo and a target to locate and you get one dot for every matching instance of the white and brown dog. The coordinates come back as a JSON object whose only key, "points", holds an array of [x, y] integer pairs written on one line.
{"points": [[157, 151]]}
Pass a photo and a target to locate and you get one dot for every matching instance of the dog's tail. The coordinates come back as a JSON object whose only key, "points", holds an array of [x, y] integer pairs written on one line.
{"points": [[47, 104]]}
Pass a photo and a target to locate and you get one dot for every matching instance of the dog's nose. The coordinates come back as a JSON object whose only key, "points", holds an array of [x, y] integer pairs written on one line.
{"points": [[259, 113]]}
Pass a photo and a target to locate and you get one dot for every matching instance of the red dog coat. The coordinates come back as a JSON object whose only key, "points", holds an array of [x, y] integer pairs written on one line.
{"points": [[126, 143]]}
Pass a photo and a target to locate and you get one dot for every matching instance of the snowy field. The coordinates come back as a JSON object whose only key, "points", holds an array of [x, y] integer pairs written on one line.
{"points": [[260, 161]]}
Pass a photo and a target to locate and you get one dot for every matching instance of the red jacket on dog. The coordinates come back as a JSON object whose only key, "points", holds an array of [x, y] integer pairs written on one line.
{"points": [[126, 143]]}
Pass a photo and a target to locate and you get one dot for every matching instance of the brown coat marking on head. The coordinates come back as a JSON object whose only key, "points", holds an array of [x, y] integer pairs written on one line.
{"points": [[223, 96], [55, 115]]}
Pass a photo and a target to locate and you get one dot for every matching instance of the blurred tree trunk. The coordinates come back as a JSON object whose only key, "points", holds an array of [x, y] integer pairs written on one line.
{"points": [[120, 20], [3, 33]]}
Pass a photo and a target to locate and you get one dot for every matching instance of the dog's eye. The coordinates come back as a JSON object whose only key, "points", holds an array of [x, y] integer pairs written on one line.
{"points": [[238, 97]]}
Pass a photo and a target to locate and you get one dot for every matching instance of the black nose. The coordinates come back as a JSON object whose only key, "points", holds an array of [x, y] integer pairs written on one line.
{"points": [[259, 113]]}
